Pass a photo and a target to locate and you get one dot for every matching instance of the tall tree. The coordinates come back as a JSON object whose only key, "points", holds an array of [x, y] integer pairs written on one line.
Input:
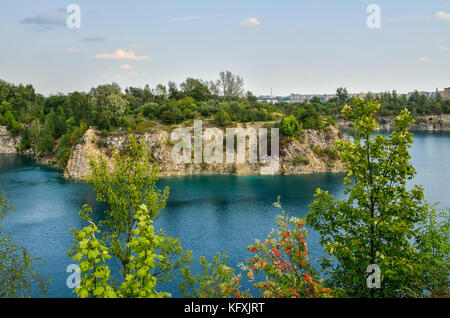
{"points": [[128, 188], [232, 86], [173, 90], [377, 223], [196, 89], [342, 95]]}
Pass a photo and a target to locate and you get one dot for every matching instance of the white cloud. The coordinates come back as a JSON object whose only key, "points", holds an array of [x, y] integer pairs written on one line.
{"points": [[121, 55], [126, 66], [444, 48], [442, 15], [425, 59], [73, 49], [249, 23], [134, 73], [47, 19]]}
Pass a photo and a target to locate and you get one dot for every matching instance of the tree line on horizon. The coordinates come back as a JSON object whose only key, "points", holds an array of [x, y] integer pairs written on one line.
{"points": [[54, 124]]}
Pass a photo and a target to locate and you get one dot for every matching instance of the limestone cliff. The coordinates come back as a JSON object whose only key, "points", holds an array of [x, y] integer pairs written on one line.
{"points": [[8, 143], [423, 123], [302, 155]]}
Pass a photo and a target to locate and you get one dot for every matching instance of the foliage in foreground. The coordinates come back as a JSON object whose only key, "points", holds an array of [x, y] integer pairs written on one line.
{"points": [[381, 221], [279, 268], [145, 259], [216, 280], [92, 254]]}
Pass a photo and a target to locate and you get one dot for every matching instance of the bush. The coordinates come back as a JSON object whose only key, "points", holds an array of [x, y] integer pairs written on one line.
{"points": [[15, 128], [25, 142], [222, 118], [46, 145], [64, 149], [290, 126], [101, 143], [329, 152], [309, 117], [302, 160], [331, 121], [149, 110]]}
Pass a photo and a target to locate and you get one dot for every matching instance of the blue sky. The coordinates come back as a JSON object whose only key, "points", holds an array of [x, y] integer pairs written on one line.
{"points": [[289, 46]]}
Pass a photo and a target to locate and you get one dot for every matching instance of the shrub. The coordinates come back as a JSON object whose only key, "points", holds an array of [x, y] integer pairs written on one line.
{"points": [[329, 152], [290, 126], [302, 160], [222, 118]]}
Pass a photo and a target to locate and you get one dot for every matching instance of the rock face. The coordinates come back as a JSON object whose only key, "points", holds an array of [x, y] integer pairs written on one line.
{"points": [[78, 164], [313, 139], [8, 143], [423, 123], [160, 146]]}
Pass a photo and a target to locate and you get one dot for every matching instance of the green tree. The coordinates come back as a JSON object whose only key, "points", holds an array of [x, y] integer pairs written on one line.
{"points": [[36, 133], [342, 95], [232, 86], [79, 106], [92, 254], [216, 280], [290, 126], [196, 89], [377, 222], [46, 144], [128, 188], [173, 90], [222, 118], [433, 245], [309, 117], [18, 276]]}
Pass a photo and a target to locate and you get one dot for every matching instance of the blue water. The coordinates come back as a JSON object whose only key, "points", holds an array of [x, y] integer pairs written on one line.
{"points": [[208, 213]]}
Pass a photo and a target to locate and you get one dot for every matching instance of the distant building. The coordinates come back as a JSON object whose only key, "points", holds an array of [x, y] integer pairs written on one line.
{"points": [[301, 98], [446, 92]]}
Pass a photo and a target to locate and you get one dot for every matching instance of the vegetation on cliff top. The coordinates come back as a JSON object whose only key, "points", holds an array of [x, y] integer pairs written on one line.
{"points": [[53, 125]]}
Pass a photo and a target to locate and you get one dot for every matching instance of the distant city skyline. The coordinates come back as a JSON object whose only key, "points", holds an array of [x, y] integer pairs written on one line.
{"points": [[437, 89], [295, 97], [289, 46]]}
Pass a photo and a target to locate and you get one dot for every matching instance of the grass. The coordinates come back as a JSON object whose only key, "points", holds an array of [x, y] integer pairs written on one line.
{"points": [[301, 160], [328, 152]]}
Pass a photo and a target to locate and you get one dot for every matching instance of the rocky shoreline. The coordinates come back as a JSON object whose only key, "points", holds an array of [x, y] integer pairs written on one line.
{"points": [[307, 154], [159, 145], [423, 123], [301, 155], [8, 143]]}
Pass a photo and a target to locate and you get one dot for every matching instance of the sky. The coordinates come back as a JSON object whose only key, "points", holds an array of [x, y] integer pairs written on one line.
{"points": [[289, 46]]}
